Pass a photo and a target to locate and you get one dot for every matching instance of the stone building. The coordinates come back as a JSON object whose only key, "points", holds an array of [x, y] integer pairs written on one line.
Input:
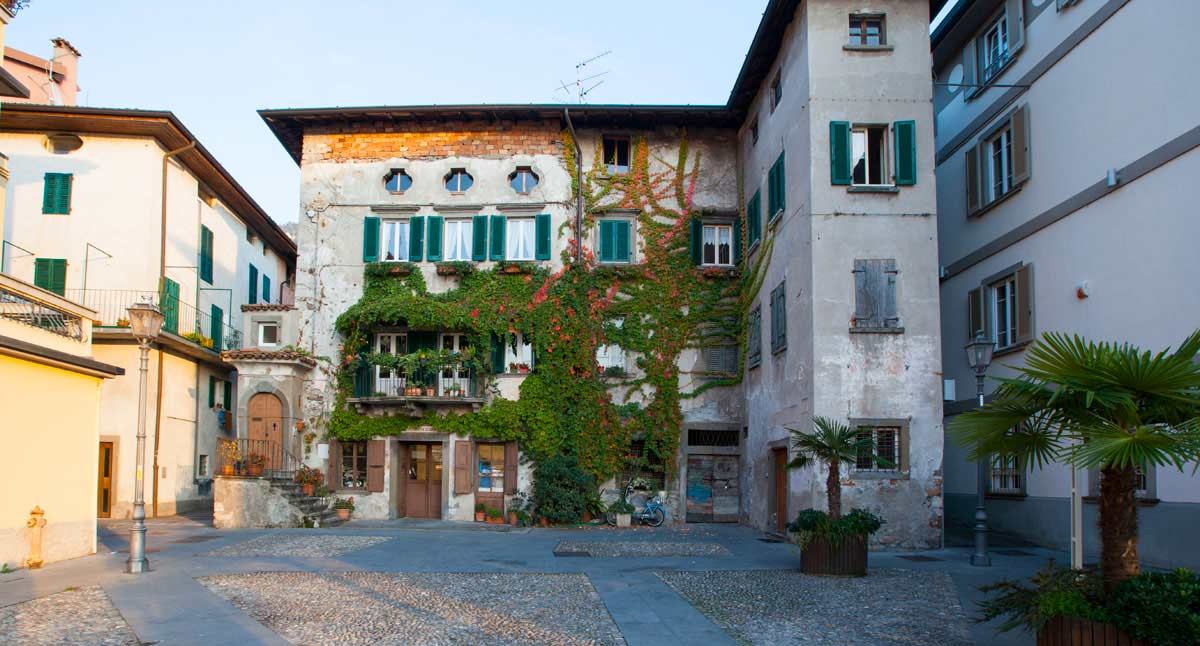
{"points": [[828, 261]]}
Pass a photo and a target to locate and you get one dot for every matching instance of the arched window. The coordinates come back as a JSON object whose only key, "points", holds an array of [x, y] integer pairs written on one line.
{"points": [[523, 179], [459, 180], [397, 181]]}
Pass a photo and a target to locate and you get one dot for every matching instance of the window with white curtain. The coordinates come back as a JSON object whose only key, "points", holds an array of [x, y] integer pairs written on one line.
{"points": [[522, 353], [520, 239], [458, 237], [395, 240]]}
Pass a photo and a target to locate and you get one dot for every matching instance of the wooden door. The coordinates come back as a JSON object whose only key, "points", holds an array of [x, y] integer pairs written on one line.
{"points": [[779, 502], [423, 480], [104, 491], [712, 489], [266, 429]]}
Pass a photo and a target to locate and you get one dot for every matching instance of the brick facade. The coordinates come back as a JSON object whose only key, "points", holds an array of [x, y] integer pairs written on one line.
{"points": [[379, 140]]}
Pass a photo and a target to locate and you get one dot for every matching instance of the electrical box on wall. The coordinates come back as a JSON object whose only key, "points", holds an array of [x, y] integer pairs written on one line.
{"points": [[949, 390], [323, 451]]}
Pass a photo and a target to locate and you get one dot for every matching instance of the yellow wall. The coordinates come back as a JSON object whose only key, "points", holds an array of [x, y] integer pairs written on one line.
{"points": [[50, 459]]}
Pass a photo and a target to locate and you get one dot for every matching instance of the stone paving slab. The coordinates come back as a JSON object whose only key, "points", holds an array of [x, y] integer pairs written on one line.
{"points": [[83, 616], [779, 607], [302, 546], [617, 549], [429, 608]]}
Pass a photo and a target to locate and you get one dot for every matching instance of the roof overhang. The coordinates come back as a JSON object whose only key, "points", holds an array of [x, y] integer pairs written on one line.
{"points": [[964, 21], [10, 86]]}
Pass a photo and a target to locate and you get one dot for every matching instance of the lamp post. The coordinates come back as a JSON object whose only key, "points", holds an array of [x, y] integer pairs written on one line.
{"points": [[979, 357], [145, 320]]}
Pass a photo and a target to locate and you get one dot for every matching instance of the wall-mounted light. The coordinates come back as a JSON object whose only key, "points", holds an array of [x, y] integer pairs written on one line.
{"points": [[1112, 179]]}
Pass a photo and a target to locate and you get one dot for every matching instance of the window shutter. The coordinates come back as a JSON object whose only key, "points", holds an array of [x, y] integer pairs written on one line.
{"points": [[498, 237], [737, 241], [375, 459], [253, 285], [754, 218], [1020, 144], [50, 274], [333, 474], [1016, 25], [905, 133], [217, 327], [865, 307], [479, 238], [212, 391], [434, 234], [606, 242], [780, 187], [497, 355], [416, 238], [56, 193], [970, 62], [266, 290], [975, 320], [510, 468], [462, 466], [697, 241], [839, 153], [370, 239], [1024, 304], [974, 191], [206, 252], [170, 305], [891, 317], [542, 246], [227, 395], [622, 233]]}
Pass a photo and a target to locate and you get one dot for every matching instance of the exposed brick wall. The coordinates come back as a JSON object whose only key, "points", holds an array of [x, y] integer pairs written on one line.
{"points": [[386, 139]]}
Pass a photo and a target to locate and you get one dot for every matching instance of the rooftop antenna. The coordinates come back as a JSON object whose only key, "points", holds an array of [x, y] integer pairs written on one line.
{"points": [[576, 90]]}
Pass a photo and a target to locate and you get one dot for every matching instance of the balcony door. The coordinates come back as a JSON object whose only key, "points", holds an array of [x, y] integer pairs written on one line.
{"points": [[387, 381], [458, 375]]}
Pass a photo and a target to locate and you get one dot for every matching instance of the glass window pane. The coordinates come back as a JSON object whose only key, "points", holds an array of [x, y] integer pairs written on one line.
{"points": [[858, 152], [873, 31]]}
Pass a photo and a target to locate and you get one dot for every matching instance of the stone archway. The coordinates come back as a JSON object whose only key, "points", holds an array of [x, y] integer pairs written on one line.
{"points": [[265, 428]]}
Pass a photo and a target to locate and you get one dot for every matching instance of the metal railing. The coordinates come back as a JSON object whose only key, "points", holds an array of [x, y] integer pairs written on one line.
{"points": [[112, 308], [247, 457], [444, 382], [18, 307]]}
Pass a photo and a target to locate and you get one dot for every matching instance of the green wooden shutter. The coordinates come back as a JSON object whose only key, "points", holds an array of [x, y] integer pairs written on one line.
{"points": [[416, 238], [623, 240], [266, 290], [905, 133], [754, 218], [217, 328], [542, 246], [607, 242], [56, 193], [228, 395], [212, 391], [697, 241], [498, 237], [50, 274], [434, 234], [497, 348], [370, 239], [840, 172], [776, 189], [206, 254], [253, 292], [781, 184], [479, 238], [170, 305], [737, 241]]}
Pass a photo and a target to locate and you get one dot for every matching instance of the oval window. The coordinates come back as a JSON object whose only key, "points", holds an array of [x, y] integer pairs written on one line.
{"points": [[523, 180], [459, 180], [398, 181]]}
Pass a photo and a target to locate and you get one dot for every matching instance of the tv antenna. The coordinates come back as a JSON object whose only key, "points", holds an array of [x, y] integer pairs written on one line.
{"points": [[580, 89]]}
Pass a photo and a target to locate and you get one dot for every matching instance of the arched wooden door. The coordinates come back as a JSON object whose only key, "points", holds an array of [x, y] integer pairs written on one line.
{"points": [[266, 429]]}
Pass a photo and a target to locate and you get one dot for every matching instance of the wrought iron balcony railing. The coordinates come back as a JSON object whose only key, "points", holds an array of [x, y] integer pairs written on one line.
{"points": [[19, 307], [112, 308]]}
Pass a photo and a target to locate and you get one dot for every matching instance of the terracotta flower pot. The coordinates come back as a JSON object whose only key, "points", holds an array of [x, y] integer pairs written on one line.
{"points": [[587, 516], [227, 469], [343, 514], [307, 489], [512, 518], [254, 470], [544, 522], [480, 516]]}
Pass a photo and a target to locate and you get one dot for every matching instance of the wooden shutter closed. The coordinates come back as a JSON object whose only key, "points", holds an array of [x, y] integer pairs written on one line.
{"points": [[1019, 131], [370, 239], [623, 240], [754, 218], [206, 254], [905, 134], [333, 475], [56, 193], [974, 190], [266, 290], [416, 238], [217, 328], [1015, 15], [697, 241], [252, 288], [479, 238], [970, 63], [780, 202], [891, 317], [839, 153], [434, 233], [376, 450], [542, 245], [498, 237], [1024, 278], [463, 452], [510, 468], [169, 303], [737, 241], [975, 316], [497, 349], [50, 274], [606, 242]]}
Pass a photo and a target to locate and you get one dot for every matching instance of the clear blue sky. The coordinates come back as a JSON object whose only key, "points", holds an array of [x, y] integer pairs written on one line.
{"points": [[214, 63]]}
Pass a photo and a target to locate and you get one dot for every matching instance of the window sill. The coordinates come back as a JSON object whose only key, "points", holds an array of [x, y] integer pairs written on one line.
{"points": [[879, 475], [777, 351], [876, 330], [1012, 349], [753, 364], [983, 87], [1141, 502], [775, 218], [1005, 496], [994, 203], [868, 48], [873, 189]]}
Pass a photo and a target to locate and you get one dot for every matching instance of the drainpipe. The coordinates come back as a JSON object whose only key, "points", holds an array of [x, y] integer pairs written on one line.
{"points": [[579, 194], [162, 276]]}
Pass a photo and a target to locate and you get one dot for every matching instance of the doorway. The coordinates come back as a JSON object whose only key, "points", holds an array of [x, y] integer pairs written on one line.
{"points": [[712, 489], [265, 431], [779, 491], [457, 376], [104, 490], [421, 488], [490, 476]]}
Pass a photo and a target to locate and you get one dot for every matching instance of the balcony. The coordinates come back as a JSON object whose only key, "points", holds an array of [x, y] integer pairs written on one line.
{"points": [[181, 319], [418, 389], [25, 307]]}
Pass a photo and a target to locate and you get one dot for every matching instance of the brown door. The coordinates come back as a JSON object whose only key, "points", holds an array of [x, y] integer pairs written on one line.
{"points": [[490, 476], [779, 508], [423, 481], [104, 492], [266, 429]]}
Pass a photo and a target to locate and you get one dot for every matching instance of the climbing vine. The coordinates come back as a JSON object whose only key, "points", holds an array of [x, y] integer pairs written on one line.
{"points": [[654, 309]]}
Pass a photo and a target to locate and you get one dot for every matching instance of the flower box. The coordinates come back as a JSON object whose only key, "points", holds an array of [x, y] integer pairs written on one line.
{"points": [[847, 557]]}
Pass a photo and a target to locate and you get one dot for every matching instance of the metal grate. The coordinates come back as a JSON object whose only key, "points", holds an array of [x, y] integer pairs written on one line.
{"points": [[920, 558], [17, 307], [705, 437]]}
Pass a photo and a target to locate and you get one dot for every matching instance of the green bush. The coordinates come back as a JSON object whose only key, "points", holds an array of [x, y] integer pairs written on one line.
{"points": [[1159, 608], [811, 523], [561, 489]]}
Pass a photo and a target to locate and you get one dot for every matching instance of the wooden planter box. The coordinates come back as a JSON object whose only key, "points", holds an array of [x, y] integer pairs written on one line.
{"points": [[847, 558], [1071, 631]]}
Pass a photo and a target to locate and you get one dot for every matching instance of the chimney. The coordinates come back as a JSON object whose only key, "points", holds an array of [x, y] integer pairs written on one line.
{"points": [[65, 60]]}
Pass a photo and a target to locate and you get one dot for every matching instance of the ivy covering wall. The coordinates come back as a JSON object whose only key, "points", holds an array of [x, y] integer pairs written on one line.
{"points": [[665, 304]]}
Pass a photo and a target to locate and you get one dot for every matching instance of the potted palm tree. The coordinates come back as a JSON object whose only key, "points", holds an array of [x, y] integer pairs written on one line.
{"points": [[1104, 406], [830, 542]]}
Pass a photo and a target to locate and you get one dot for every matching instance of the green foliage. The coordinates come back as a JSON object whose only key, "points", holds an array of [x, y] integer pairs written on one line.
{"points": [[1159, 608], [811, 523], [831, 440], [480, 508], [561, 489], [492, 512], [344, 503], [622, 506]]}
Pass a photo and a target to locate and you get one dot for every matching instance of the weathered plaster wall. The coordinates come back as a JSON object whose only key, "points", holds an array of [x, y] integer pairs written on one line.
{"points": [[251, 502]]}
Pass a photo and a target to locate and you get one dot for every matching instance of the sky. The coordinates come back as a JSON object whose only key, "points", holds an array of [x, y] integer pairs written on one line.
{"points": [[215, 63]]}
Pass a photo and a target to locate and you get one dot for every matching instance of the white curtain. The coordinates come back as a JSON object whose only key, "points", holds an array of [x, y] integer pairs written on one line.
{"points": [[458, 237], [520, 240], [395, 240]]}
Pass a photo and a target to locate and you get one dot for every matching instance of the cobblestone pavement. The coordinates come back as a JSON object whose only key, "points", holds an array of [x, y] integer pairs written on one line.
{"points": [[418, 609], [785, 607], [614, 549], [83, 616], [305, 546]]}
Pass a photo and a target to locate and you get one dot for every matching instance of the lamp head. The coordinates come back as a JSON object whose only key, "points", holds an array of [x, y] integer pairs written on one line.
{"points": [[146, 320], [979, 353]]}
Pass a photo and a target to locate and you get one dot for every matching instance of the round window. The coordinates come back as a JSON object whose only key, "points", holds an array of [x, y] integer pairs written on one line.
{"points": [[398, 181], [523, 180], [459, 180]]}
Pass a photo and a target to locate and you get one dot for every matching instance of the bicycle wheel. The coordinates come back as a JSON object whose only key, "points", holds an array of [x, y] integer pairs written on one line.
{"points": [[655, 518]]}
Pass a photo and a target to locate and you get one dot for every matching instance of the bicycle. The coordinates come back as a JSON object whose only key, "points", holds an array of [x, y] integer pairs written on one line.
{"points": [[652, 513]]}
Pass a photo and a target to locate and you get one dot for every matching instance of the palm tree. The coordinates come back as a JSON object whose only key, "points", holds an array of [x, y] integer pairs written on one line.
{"points": [[832, 443], [1103, 406]]}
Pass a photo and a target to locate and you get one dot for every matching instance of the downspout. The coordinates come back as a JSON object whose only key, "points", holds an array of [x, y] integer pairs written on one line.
{"points": [[162, 276], [579, 194]]}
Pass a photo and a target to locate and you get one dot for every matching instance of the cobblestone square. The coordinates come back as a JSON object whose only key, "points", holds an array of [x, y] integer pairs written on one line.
{"points": [[80, 616], [302, 546]]}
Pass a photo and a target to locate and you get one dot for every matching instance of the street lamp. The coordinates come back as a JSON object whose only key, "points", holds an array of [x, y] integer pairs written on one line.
{"points": [[145, 320], [979, 357]]}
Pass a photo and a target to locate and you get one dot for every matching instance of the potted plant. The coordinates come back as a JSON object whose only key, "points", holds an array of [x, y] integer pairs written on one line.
{"points": [[593, 508], [231, 455], [308, 478], [518, 508], [344, 506], [623, 510], [831, 543], [494, 516], [254, 464], [1116, 409], [519, 368], [122, 322], [480, 512], [560, 489]]}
